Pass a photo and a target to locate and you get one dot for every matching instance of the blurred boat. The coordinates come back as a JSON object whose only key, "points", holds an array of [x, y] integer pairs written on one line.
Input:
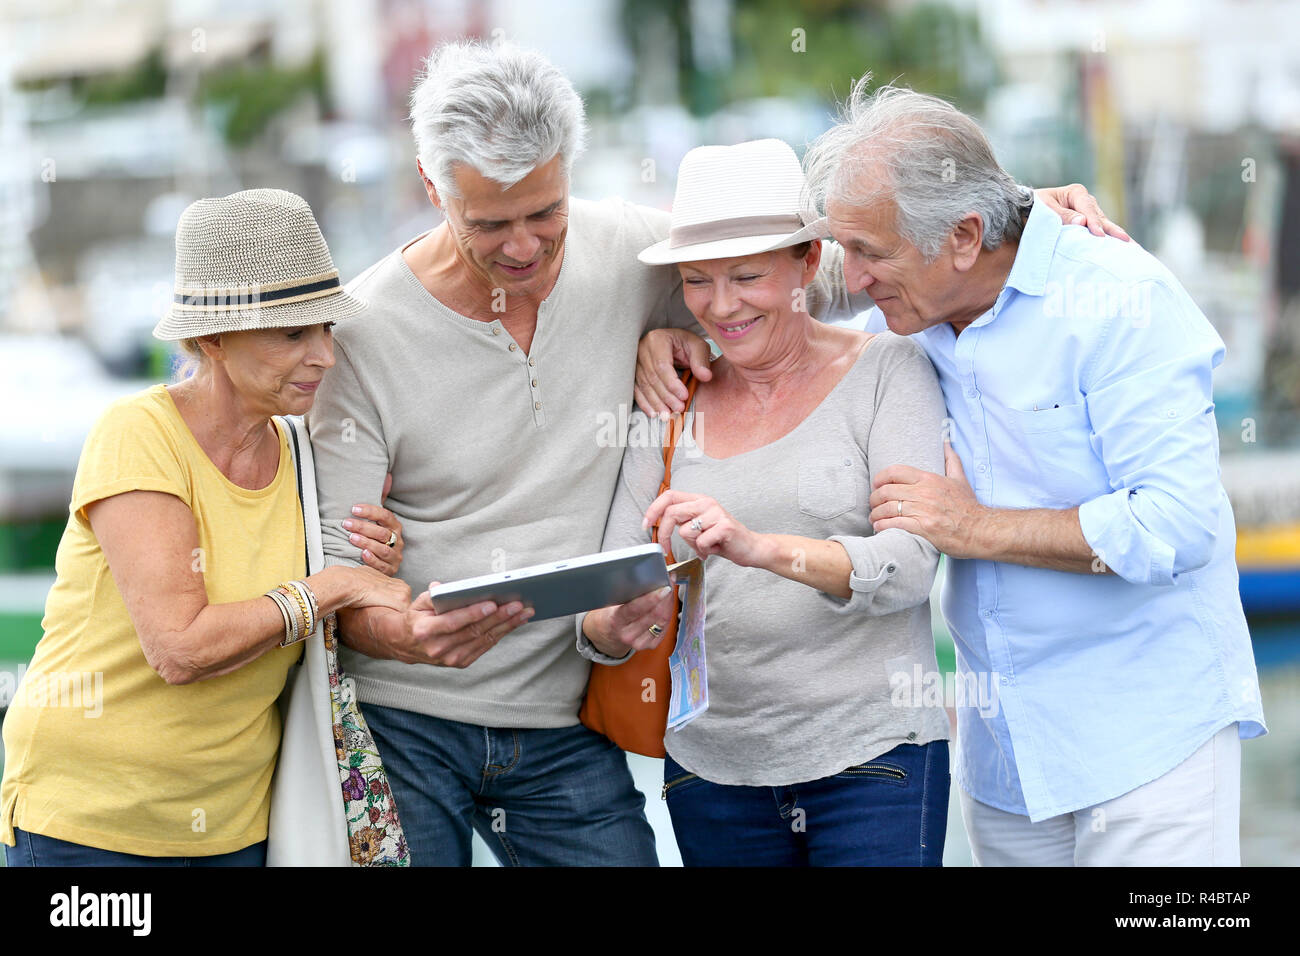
{"points": [[1264, 488]]}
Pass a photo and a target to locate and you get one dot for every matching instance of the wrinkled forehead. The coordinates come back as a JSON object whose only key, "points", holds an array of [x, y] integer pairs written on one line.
{"points": [[481, 197], [870, 214]]}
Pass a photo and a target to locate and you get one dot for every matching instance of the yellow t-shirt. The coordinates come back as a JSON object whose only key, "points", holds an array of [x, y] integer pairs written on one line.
{"points": [[100, 750]]}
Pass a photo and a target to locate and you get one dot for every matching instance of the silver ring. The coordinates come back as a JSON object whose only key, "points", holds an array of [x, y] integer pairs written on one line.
{"points": [[655, 629], [695, 523], [900, 507], [392, 538]]}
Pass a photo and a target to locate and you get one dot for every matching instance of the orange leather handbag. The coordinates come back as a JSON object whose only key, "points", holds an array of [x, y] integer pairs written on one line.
{"points": [[628, 703]]}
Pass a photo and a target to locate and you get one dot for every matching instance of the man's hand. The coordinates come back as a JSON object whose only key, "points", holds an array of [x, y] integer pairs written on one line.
{"points": [[420, 635], [1078, 207], [659, 390], [945, 512], [615, 630], [940, 508]]}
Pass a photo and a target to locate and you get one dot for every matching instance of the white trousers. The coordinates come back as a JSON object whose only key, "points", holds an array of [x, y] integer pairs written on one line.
{"points": [[1188, 817]]}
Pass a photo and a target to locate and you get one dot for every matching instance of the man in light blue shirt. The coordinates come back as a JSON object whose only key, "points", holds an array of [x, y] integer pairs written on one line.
{"points": [[1091, 577]]}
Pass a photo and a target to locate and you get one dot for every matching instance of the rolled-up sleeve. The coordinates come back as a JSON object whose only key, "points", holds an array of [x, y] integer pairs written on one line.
{"points": [[892, 571], [1149, 394]]}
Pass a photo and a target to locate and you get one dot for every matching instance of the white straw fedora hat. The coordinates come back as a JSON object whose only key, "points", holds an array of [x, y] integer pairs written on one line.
{"points": [[737, 201], [252, 260]]}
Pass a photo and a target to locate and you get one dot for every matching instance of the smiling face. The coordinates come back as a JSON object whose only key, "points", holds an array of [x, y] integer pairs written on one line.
{"points": [[276, 371], [747, 304], [509, 238], [913, 294]]}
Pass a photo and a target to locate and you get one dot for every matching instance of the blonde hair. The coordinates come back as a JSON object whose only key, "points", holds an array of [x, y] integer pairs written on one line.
{"points": [[193, 359]]}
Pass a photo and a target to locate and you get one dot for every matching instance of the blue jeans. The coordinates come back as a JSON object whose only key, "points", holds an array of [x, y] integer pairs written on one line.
{"points": [[32, 849], [890, 811], [538, 797]]}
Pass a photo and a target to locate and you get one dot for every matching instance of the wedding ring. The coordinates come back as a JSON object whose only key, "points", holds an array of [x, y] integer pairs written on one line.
{"points": [[655, 629], [695, 523], [392, 538], [900, 507]]}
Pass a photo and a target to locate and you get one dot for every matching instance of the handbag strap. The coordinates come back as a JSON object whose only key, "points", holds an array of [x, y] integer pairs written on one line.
{"points": [[297, 466], [671, 435]]}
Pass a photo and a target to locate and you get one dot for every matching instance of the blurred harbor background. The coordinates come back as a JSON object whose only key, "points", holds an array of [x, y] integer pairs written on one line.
{"points": [[1182, 116]]}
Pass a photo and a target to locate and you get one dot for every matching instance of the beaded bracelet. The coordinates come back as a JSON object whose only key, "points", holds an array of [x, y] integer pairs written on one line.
{"points": [[301, 592], [311, 599]]}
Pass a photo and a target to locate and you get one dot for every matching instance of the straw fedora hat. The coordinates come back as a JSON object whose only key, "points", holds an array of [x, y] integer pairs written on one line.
{"points": [[737, 201], [252, 260]]}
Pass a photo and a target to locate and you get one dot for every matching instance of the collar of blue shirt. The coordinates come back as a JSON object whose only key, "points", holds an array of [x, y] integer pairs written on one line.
{"points": [[1029, 269]]}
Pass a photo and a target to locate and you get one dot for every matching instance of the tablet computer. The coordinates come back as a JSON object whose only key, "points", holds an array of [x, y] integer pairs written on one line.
{"points": [[563, 588]]}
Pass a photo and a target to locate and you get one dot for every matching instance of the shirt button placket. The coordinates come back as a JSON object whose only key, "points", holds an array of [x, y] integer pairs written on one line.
{"points": [[527, 364], [529, 369]]}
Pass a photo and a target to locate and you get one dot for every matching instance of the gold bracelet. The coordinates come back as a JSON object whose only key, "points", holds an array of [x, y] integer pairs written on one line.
{"points": [[298, 606], [308, 606], [311, 597], [301, 604]]}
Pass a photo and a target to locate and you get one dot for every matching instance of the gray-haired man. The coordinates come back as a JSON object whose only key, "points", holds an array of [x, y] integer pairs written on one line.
{"points": [[478, 377], [496, 349], [1090, 579]]}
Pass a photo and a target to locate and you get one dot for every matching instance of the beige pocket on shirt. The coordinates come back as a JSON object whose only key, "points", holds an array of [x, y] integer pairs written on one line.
{"points": [[827, 487]]}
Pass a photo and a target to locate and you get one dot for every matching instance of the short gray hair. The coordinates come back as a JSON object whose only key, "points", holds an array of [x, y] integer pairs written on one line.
{"points": [[501, 110], [930, 158]]}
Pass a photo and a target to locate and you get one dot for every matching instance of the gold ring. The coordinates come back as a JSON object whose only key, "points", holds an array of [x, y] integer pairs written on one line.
{"points": [[656, 630], [900, 507], [392, 538]]}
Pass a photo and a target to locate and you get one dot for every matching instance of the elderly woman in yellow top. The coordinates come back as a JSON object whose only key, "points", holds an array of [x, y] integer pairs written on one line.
{"points": [[146, 728]]}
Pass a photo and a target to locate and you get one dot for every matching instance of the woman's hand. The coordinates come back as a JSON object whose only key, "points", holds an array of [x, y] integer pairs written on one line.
{"points": [[366, 587], [372, 527], [1078, 207], [704, 525], [615, 630]]}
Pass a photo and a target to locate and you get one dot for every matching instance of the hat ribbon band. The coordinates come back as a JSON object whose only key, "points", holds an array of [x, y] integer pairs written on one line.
{"points": [[253, 297], [740, 227]]}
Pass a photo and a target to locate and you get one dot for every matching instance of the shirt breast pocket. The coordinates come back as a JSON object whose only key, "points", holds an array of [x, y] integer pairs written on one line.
{"points": [[1057, 443], [1058, 418], [828, 487]]}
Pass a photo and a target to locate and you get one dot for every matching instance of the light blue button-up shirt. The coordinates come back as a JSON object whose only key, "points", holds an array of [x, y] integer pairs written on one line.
{"points": [[1088, 384]]}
